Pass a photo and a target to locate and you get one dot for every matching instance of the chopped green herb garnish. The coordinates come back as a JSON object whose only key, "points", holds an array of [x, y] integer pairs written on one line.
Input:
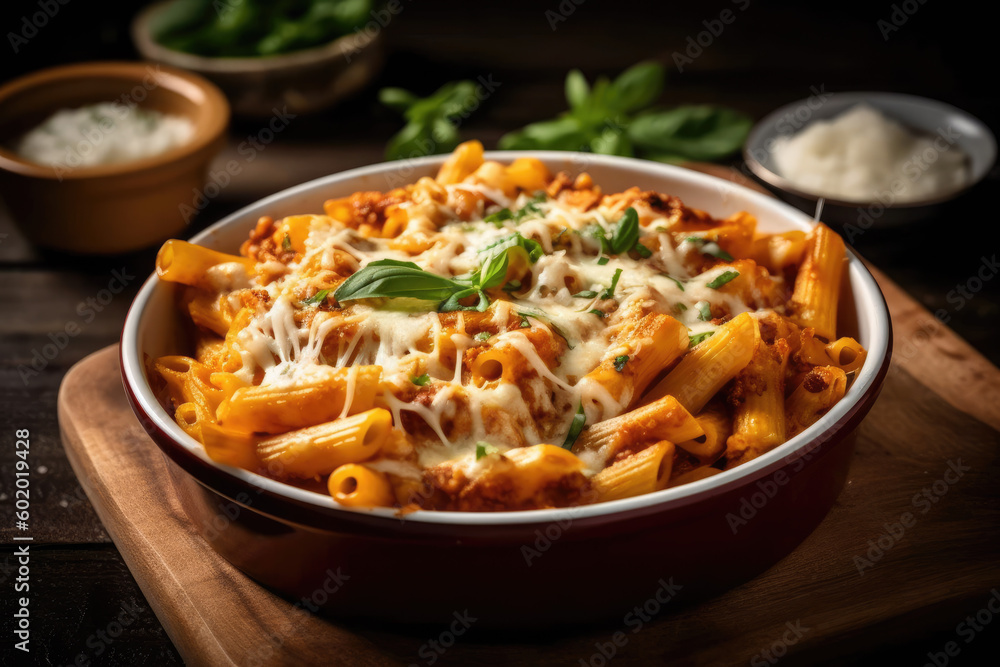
{"points": [[697, 338], [704, 310], [548, 321], [626, 232], [585, 294], [531, 208], [515, 240], [575, 428], [484, 449], [710, 248], [524, 321], [499, 217], [680, 307], [421, 380], [620, 362], [512, 285], [610, 292], [603, 260], [679, 284], [599, 313], [317, 298], [483, 335], [286, 243], [560, 234], [643, 251], [722, 279]]}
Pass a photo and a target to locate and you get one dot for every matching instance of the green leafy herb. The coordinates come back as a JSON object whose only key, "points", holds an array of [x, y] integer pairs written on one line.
{"points": [[697, 338], [603, 260], [585, 294], [515, 240], [286, 243], [620, 362], [531, 208], [610, 292], [431, 122], [626, 232], [317, 298], [575, 428], [680, 307], [600, 313], [613, 117], [421, 380], [524, 321], [484, 449], [704, 311], [722, 279], [538, 315], [499, 217], [512, 285], [643, 251], [679, 284], [710, 248], [482, 336]]}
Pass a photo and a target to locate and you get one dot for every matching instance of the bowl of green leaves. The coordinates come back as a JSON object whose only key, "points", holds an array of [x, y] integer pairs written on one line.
{"points": [[617, 116], [296, 56]]}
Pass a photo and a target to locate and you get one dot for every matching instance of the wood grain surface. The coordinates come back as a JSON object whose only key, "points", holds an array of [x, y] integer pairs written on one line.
{"points": [[908, 544]]}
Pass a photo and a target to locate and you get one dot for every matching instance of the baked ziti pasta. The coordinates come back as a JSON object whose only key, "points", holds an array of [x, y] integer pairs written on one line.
{"points": [[501, 338]]}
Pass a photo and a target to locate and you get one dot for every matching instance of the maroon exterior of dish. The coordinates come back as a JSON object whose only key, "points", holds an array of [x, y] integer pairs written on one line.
{"points": [[356, 565]]}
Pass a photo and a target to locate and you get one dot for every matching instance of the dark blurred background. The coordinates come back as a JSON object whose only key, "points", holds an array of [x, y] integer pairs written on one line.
{"points": [[772, 54]]}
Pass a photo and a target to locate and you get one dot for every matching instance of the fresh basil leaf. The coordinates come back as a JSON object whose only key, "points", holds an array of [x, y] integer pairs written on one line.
{"points": [[680, 307], [562, 134], [585, 294], [704, 310], [494, 269], [697, 338], [626, 232], [700, 132], [612, 141], [512, 285], [710, 248], [610, 292], [453, 302], [643, 251], [397, 99], [531, 208], [637, 87], [620, 362], [575, 428], [524, 321], [722, 279], [603, 260], [515, 240], [395, 281], [421, 380], [547, 320], [600, 313], [317, 298], [577, 89]]}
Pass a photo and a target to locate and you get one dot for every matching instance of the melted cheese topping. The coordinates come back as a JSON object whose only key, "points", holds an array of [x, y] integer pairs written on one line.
{"points": [[556, 296]]}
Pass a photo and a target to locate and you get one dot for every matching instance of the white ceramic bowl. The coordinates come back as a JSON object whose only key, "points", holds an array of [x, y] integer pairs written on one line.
{"points": [[816, 460]]}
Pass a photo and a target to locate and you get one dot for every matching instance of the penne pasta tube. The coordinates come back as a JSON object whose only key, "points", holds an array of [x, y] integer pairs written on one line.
{"points": [[718, 426], [663, 419], [316, 398], [694, 475], [186, 263], [355, 485], [318, 450], [645, 471], [817, 285], [821, 388], [711, 364], [759, 395]]}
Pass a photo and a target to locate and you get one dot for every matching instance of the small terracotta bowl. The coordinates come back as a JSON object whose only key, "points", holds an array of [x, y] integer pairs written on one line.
{"points": [[115, 208]]}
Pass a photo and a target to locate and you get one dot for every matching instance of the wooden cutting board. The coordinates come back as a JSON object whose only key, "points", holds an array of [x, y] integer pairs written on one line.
{"points": [[938, 412]]}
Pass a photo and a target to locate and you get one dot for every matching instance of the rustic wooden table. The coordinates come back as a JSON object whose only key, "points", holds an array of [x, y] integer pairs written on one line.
{"points": [[84, 599]]}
